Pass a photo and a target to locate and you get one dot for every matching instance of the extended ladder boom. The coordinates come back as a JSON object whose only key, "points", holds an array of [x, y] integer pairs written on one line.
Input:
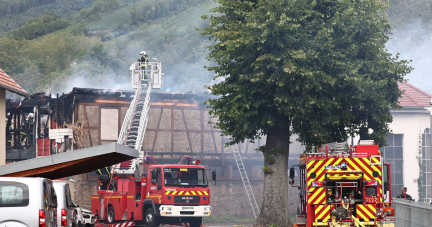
{"points": [[136, 118]]}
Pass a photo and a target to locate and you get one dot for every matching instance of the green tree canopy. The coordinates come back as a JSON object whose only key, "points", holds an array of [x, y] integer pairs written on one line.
{"points": [[316, 67], [39, 26]]}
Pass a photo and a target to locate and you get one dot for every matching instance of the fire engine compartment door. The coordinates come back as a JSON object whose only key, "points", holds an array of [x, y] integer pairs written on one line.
{"points": [[154, 192], [134, 204]]}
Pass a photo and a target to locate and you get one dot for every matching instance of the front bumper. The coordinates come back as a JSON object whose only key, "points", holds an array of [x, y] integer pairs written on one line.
{"points": [[90, 219], [185, 211]]}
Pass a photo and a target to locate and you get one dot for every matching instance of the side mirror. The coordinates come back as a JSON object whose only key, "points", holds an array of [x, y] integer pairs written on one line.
{"points": [[154, 174], [292, 173], [213, 175], [159, 181]]}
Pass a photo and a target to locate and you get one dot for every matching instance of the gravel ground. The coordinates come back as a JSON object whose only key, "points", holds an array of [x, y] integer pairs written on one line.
{"points": [[227, 224]]}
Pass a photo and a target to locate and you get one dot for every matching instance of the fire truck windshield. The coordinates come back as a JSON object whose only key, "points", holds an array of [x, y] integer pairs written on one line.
{"points": [[185, 177]]}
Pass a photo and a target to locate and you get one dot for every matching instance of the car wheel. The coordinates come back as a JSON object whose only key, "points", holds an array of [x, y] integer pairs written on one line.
{"points": [[195, 222], [150, 218], [111, 215], [74, 218]]}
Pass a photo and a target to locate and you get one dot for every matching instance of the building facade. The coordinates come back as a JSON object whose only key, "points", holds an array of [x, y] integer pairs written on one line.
{"points": [[410, 141]]}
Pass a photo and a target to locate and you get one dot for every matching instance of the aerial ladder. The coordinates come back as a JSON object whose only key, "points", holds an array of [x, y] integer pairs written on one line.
{"points": [[136, 118]]}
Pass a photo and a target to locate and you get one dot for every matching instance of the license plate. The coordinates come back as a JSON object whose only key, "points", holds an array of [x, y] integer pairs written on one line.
{"points": [[187, 208]]}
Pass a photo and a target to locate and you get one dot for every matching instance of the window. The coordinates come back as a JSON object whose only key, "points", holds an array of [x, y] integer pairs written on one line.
{"points": [[46, 196], [185, 177], [13, 194], [426, 157], [68, 200], [393, 154]]}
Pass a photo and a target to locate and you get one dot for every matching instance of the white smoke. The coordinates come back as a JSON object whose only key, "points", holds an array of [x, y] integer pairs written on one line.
{"points": [[414, 43]]}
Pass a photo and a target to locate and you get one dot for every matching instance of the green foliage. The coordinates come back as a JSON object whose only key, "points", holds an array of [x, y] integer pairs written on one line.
{"points": [[16, 13], [36, 27], [421, 165], [9, 55], [99, 7], [270, 160], [267, 170], [153, 10], [319, 67], [106, 54], [273, 225], [402, 13]]}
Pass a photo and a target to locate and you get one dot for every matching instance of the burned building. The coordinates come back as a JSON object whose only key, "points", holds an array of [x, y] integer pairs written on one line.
{"points": [[179, 125]]}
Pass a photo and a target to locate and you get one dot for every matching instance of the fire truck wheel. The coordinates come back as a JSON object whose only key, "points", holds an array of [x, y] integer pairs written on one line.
{"points": [[195, 222], [150, 218], [110, 215]]}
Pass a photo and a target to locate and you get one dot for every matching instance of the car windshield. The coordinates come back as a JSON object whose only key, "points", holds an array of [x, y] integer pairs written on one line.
{"points": [[185, 177]]}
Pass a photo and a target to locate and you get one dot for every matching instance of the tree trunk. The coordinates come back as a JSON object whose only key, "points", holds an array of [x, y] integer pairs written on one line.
{"points": [[274, 209]]}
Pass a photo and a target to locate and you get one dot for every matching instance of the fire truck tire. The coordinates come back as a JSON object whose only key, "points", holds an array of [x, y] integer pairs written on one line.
{"points": [[110, 215], [150, 218], [195, 222]]}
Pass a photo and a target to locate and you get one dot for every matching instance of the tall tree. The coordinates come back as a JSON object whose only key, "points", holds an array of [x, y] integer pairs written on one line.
{"points": [[318, 68]]}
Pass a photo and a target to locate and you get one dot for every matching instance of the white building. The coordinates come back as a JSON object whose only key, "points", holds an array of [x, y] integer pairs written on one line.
{"points": [[411, 132]]}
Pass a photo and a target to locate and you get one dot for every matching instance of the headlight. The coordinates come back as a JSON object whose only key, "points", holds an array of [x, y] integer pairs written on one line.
{"points": [[168, 208], [205, 208]]}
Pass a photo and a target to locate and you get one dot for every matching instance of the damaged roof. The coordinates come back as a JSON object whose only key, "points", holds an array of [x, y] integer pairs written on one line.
{"points": [[9, 84], [70, 163]]}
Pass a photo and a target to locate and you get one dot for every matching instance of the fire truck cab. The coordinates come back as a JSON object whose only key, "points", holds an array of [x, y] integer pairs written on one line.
{"points": [[154, 193], [341, 185]]}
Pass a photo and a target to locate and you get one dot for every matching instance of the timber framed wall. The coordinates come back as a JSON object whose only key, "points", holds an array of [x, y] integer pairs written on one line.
{"points": [[178, 126]]}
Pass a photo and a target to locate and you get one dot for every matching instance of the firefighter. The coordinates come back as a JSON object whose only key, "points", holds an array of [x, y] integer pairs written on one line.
{"points": [[404, 195], [30, 121], [105, 180], [142, 66], [9, 137], [330, 196]]}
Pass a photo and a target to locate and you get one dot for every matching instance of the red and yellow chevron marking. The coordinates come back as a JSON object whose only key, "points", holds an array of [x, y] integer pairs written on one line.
{"points": [[186, 193], [322, 213], [318, 195], [343, 176], [366, 211]]}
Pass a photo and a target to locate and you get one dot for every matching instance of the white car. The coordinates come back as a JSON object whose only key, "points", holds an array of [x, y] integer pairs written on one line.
{"points": [[77, 216], [88, 217]]}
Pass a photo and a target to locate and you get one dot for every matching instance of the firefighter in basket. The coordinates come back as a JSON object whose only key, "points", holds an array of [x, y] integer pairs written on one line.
{"points": [[142, 66]]}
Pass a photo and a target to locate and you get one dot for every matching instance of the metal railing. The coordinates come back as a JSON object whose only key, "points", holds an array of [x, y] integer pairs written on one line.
{"points": [[127, 120], [412, 213], [143, 122]]}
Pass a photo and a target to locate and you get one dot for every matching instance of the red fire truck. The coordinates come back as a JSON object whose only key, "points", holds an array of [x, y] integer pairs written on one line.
{"points": [[343, 185], [152, 193]]}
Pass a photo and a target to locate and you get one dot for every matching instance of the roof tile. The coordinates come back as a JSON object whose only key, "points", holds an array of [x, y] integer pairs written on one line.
{"points": [[413, 96], [9, 84]]}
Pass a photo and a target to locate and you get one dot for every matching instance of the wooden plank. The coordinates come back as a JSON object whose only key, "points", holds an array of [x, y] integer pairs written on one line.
{"points": [[247, 146], [213, 136], [157, 130], [100, 124], [181, 130], [172, 130], [202, 129], [88, 126], [187, 131]]}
